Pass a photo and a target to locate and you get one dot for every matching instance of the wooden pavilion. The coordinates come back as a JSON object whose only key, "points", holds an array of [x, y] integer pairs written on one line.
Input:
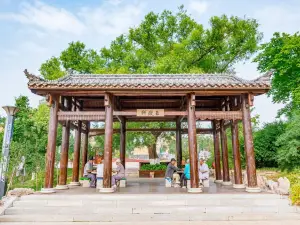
{"points": [[78, 99]]}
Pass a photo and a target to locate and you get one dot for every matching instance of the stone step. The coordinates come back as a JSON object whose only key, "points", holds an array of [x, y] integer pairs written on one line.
{"points": [[126, 203], [98, 196], [171, 210], [290, 222], [149, 218]]}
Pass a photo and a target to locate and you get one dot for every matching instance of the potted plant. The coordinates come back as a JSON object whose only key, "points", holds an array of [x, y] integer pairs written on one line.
{"points": [[156, 170], [84, 181]]}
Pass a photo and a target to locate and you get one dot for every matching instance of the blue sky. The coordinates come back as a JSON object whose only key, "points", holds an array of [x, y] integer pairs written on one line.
{"points": [[32, 31]]}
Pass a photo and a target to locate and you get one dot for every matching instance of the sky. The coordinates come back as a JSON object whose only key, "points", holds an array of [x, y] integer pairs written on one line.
{"points": [[33, 31]]}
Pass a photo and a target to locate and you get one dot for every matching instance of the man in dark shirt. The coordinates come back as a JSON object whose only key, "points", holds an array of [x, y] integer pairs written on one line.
{"points": [[170, 172]]}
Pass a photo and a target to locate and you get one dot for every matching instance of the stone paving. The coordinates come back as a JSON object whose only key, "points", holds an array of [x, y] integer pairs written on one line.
{"points": [[154, 186]]}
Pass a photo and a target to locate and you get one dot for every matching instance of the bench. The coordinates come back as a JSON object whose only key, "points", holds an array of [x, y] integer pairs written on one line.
{"points": [[122, 183]]}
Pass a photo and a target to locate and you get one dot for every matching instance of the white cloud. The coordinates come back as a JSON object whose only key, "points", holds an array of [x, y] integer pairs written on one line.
{"points": [[46, 17], [111, 21], [197, 7]]}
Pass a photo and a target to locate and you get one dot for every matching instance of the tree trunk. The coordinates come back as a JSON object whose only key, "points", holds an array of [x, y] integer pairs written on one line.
{"points": [[152, 152], [152, 149]]}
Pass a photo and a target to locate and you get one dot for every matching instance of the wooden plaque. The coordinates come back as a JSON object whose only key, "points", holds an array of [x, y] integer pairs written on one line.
{"points": [[150, 112]]}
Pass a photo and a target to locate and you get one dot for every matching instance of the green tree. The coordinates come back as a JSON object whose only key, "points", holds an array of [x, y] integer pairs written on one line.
{"points": [[265, 144], [289, 144], [164, 43], [282, 55]]}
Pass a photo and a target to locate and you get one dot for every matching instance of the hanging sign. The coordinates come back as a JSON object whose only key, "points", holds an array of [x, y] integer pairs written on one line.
{"points": [[150, 112]]}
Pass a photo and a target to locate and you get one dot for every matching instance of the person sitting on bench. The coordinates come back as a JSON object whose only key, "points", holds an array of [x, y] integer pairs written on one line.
{"points": [[171, 171], [120, 174], [203, 171], [186, 174], [87, 172]]}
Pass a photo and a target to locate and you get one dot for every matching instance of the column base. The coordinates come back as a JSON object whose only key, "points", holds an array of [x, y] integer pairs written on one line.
{"points": [[61, 187], [47, 190], [218, 181], [74, 184], [194, 190], [226, 183], [239, 186], [106, 190], [253, 189]]}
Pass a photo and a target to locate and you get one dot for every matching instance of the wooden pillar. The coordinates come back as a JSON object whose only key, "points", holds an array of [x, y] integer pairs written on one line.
{"points": [[217, 153], [85, 147], [63, 172], [123, 141], [249, 148], [76, 157], [238, 179], [108, 101], [192, 139], [178, 142], [225, 164], [51, 147]]}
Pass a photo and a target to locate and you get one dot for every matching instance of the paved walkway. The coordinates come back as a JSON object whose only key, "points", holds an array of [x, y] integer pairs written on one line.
{"points": [[154, 186]]}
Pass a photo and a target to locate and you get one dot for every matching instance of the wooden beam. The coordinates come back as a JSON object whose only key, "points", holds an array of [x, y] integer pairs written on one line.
{"points": [[219, 115], [134, 113], [81, 115]]}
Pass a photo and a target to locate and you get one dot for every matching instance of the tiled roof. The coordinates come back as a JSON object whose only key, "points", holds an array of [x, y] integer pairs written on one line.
{"points": [[148, 81]]}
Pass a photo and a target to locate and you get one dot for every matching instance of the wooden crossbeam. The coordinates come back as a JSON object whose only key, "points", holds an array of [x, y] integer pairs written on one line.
{"points": [[219, 115], [95, 132]]}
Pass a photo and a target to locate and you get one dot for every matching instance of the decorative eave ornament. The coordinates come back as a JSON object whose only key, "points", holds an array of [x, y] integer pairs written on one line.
{"points": [[266, 78], [32, 77]]}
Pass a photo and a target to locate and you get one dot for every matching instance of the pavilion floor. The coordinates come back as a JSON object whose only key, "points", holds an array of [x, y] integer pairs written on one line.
{"points": [[153, 186]]}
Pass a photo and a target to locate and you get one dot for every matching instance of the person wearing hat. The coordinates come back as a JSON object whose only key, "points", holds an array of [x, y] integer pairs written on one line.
{"points": [[120, 174], [171, 171]]}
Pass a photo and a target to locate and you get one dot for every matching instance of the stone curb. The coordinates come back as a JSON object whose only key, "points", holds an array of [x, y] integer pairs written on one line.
{"points": [[8, 204]]}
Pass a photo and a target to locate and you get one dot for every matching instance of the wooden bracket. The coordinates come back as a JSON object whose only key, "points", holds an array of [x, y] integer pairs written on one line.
{"points": [[193, 99], [107, 100], [49, 99], [250, 99]]}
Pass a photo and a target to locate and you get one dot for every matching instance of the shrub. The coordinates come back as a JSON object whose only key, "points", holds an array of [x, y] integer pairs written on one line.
{"points": [[295, 194], [153, 167], [84, 178]]}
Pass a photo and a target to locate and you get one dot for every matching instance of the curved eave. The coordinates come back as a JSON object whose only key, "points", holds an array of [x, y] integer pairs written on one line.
{"points": [[155, 90]]}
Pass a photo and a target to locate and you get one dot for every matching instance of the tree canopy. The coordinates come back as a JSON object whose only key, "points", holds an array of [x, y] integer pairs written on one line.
{"points": [[164, 43], [282, 55]]}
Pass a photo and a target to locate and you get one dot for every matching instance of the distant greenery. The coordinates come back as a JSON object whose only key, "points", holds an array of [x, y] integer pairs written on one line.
{"points": [[153, 167]]}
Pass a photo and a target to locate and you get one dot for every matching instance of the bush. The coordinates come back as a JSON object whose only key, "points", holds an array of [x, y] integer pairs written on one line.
{"points": [[295, 194], [84, 178], [153, 167]]}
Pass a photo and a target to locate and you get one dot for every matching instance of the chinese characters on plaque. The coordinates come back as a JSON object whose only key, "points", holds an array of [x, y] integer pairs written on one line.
{"points": [[150, 112]]}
